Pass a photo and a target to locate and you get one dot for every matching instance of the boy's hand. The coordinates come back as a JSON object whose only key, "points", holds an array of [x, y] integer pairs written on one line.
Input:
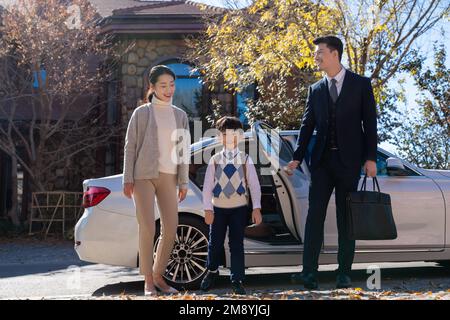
{"points": [[256, 216], [209, 217]]}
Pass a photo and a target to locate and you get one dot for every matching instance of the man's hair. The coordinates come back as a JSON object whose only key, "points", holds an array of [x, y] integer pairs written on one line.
{"points": [[332, 42], [231, 123]]}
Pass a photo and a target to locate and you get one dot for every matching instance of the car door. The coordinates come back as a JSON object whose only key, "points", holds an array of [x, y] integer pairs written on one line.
{"points": [[291, 190], [418, 210]]}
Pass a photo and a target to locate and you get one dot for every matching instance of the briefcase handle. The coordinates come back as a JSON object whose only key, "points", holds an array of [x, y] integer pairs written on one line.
{"points": [[374, 181]]}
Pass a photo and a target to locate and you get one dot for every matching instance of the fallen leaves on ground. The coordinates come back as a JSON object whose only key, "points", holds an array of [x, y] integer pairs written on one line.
{"points": [[338, 294]]}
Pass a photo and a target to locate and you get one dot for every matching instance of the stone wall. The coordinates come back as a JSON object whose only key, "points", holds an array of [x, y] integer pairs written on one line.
{"points": [[136, 63]]}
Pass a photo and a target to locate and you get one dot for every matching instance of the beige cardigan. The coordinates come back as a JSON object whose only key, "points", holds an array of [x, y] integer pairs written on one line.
{"points": [[141, 146]]}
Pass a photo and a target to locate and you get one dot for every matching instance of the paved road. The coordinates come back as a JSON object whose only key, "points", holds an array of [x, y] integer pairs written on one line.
{"points": [[53, 271]]}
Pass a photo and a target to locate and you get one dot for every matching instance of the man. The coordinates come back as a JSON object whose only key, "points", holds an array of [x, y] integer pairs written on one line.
{"points": [[341, 108]]}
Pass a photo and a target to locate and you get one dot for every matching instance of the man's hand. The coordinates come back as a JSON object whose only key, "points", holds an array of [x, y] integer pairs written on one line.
{"points": [[256, 216], [209, 217], [182, 194], [128, 189], [370, 168], [292, 166]]}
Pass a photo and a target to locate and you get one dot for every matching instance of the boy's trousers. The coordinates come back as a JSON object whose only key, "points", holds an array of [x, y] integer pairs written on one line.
{"points": [[235, 220]]}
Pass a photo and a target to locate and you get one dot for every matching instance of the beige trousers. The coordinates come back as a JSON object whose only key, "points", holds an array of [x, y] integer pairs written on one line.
{"points": [[164, 188]]}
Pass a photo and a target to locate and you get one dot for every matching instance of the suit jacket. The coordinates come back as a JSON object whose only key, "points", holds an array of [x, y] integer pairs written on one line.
{"points": [[356, 121]]}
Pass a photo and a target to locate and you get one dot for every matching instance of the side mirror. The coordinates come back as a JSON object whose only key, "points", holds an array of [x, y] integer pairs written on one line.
{"points": [[395, 167]]}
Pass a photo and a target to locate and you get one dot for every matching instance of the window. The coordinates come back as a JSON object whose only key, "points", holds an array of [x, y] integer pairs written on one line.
{"points": [[41, 74], [242, 102], [188, 93], [381, 165]]}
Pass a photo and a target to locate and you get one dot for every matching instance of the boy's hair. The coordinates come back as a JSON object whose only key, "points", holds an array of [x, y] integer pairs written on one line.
{"points": [[332, 42], [228, 123]]}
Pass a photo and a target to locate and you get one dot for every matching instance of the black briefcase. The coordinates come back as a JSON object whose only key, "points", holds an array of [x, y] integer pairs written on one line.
{"points": [[369, 214]]}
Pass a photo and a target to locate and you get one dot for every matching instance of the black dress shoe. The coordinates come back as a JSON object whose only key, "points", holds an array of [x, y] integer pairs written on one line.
{"points": [[343, 281], [310, 281], [237, 287], [307, 279], [209, 280], [297, 278]]}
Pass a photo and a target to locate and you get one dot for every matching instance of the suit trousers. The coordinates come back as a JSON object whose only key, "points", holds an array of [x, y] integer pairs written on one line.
{"points": [[331, 174]]}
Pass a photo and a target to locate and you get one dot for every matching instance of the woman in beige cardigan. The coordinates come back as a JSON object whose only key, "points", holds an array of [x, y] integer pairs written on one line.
{"points": [[156, 160]]}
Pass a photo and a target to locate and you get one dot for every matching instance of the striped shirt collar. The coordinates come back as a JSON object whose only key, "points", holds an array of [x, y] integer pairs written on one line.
{"points": [[230, 154]]}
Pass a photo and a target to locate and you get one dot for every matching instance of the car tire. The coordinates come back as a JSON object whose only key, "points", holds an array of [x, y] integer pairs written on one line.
{"points": [[187, 263]]}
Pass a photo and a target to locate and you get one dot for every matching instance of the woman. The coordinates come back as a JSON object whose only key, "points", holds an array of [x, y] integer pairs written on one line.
{"points": [[155, 162]]}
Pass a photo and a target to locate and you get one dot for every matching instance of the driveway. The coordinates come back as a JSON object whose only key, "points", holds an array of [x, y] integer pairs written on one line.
{"points": [[33, 269]]}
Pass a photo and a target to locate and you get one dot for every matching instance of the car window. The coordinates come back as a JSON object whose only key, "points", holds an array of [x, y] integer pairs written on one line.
{"points": [[291, 139], [273, 144], [381, 165]]}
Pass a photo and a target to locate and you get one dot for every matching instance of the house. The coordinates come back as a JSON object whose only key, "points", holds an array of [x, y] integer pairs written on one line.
{"points": [[156, 31]]}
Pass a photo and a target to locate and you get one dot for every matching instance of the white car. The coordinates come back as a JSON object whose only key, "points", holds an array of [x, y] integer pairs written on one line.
{"points": [[107, 232]]}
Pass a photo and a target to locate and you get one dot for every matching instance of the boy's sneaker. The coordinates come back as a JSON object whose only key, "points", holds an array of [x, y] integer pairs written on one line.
{"points": [[237, 287], [209, 280]]}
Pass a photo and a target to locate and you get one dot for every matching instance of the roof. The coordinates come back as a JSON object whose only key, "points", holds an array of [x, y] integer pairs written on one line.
{"points": [[176, 17], [140, 7], [160, 17], [107, 8]]}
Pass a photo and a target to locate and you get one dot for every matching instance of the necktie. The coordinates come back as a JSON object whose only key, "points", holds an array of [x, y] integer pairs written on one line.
{"points": [[333, 90]]}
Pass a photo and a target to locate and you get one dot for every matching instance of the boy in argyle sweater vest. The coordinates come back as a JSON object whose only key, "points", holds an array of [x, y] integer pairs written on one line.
{"points": [[229, 178]]}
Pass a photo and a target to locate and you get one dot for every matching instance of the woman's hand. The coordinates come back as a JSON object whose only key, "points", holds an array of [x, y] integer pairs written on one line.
{"points": [[182, 194], [209, 217], [256, 216], [128, 189]]}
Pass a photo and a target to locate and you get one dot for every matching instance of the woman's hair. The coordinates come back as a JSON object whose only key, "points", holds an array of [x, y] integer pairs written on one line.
{"points": [[231, 123], [153, 77]]}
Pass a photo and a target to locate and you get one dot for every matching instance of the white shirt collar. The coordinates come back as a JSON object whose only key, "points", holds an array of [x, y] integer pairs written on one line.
{"points": [[233, 152], [339, 77]]}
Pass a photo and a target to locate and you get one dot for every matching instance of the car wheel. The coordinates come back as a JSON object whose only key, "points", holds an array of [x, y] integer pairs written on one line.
{"points": [[187, 262]]}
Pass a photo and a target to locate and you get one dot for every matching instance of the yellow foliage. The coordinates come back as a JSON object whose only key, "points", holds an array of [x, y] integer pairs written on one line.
{"points": [[266, 39]]}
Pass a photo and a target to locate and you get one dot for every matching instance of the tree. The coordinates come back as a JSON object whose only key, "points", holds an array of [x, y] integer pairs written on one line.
{"points": [[379, 34], [267, 39], [423, 143], [379, 40], [424, 138], [53, 61], [270, 41]]}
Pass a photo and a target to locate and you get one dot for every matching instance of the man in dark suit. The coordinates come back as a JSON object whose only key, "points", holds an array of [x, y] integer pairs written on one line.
{"points": [[341, 108]]}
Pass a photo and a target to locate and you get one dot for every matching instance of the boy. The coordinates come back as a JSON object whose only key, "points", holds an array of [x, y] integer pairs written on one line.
{"points": [[226, 204]]}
